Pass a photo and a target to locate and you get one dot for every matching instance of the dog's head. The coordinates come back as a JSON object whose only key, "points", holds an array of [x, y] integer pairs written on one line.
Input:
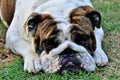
{"points": [[49, 33]]}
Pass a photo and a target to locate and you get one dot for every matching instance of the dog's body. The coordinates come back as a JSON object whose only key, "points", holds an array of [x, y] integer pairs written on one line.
{"points": [[45, 31]]}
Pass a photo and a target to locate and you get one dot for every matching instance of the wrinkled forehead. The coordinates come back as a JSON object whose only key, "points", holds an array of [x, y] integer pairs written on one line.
{"points": [[61, 11], [66, 20], [76, 18]]}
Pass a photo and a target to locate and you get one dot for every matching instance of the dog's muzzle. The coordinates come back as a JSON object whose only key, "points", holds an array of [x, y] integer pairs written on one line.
{"points": [[69, 57], [69, 61]]}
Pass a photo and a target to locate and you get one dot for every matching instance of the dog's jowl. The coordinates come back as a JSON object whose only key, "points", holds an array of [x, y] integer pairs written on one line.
{"points": [[55, 36]]}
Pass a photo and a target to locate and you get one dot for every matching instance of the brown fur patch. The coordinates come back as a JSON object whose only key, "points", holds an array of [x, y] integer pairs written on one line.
{"points": [[7, 10], [79, 19], [46, 28], [88, 8], [82, 29], [45, 34]]}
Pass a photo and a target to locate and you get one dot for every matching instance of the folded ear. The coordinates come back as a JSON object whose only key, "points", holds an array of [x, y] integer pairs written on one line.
{"points": [[95, 18], [93, 41], [33, 22]]}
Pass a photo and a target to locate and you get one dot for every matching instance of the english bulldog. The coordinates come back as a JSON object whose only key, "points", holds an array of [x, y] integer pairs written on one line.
{"points": [[54, 36]]}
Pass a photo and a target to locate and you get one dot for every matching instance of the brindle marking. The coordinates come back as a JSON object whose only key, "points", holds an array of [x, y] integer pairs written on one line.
{"points": [[84, 20], [45, 32]]}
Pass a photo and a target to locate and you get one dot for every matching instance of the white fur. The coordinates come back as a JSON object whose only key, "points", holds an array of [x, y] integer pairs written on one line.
{"points": [[99, 55], [50, 64]]}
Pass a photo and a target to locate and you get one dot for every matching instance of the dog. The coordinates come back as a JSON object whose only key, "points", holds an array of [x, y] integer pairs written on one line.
{"points": [[54, 36]]}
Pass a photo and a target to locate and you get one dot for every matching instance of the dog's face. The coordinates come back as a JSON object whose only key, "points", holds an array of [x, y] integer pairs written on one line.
{"points": [[49, 34]]}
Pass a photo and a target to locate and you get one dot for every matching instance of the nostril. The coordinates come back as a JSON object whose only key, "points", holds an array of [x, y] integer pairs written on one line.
{"points": [[69, 64]]}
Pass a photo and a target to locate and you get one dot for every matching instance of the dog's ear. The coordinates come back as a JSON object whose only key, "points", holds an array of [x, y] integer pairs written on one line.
{"points": [[93, 42], [33, 22], [95, 18]]}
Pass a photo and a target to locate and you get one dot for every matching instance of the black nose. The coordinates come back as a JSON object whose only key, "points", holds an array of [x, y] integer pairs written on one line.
{"points": [[69, 61], [68, 51]]}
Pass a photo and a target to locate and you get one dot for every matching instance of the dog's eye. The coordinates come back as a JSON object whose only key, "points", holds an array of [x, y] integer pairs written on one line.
{"points": [[84, 43], [49, 44], [31, 24], [80, 39]]}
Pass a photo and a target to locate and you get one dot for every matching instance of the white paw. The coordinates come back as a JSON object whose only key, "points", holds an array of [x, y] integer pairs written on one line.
{"points": [[87, 62], [32, 63], [50, 64], [100, 57]]}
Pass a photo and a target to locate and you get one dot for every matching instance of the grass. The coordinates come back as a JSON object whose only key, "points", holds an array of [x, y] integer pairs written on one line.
{"points": [[2, 29], [15, 72], [110, 11]]}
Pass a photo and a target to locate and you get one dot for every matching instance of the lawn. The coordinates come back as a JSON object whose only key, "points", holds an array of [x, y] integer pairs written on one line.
{"points": [[11, 66]]}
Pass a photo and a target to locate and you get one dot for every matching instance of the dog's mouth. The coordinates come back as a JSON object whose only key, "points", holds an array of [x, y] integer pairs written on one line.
{"points": [[69, 61]]}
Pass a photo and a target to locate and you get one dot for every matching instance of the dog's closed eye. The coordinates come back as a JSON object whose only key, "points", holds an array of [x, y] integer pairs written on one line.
{"points": [[49, 44], [80, 39]]}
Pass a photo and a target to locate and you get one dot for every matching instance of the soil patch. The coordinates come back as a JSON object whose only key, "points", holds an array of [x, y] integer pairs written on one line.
{"points": [[6, 56]]}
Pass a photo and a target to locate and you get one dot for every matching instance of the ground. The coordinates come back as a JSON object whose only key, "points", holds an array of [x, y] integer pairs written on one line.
{"points": [[11, 66]]}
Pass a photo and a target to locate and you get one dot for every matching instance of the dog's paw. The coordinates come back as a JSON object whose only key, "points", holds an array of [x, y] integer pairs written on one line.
{"points": [[87, 62], [50, 64], [100, 58], [32, 63]]}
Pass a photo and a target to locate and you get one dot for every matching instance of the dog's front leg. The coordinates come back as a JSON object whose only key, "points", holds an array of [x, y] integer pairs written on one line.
{"points": [[21, 47], [100, 57], [32, 62]]}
